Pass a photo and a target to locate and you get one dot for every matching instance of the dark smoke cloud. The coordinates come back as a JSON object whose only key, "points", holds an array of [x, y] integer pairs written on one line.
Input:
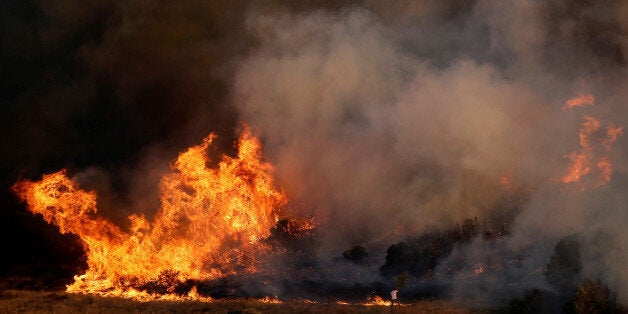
{"points": [[393, 118]]}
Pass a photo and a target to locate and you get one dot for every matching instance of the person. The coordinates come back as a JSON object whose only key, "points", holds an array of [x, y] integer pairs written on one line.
{"points": [[393, 297]]}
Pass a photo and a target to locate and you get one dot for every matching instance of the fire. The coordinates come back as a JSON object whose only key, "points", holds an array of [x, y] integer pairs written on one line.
{"points": [[612, 132], [209, 225], [581, 100], [479, 269], [593, 155], [505, 180], [580, 161], [377, 300], [270, 300]]}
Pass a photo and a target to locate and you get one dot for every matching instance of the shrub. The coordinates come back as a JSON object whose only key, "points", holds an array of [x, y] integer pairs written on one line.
{"points": [[563, 269], [419, 255], [355, 254], [594, 297]]}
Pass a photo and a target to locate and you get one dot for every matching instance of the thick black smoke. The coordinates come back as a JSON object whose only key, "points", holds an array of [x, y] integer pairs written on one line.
{"points": [[391, 119]]}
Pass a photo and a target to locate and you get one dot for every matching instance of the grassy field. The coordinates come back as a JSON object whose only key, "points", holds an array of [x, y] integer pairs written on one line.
{"points": [[20, 301]]}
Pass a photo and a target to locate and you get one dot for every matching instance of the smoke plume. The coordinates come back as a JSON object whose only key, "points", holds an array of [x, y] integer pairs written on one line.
{"points": [[399, 118], [385, 120]]}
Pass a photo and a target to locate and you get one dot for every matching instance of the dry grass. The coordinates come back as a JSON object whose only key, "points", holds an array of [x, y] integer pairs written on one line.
{"points": [[16, 301]]}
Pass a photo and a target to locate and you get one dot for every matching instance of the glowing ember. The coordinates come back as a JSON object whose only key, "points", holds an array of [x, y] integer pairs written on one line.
{"points": [[505, 180], [209, 224], [581, 100], [612, 132], [270, 300], [479, 270]]}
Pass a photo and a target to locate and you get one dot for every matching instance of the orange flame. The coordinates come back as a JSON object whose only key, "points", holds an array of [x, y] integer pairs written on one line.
{"points": [[612, 132], [269, 300], [583, 161], [479, 269], [209, 224], [580, 161], [377, 300], [581, 100]]}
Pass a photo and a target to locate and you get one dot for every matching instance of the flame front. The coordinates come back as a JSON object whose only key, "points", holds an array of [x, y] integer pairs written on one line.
{"points": [[581, 100], [209, 224], [581, 160], [593, 155]]}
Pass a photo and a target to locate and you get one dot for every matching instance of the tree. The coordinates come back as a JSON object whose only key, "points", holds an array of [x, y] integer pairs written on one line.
{"points": [[402, 280], [594, 297], [563, 269]]}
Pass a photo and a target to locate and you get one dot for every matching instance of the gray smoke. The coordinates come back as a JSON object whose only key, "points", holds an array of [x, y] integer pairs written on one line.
{"points": [[400, 118], [388, 119]]}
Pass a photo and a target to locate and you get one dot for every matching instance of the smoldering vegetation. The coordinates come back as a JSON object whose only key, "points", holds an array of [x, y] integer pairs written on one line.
{"points": [[426, 137]]}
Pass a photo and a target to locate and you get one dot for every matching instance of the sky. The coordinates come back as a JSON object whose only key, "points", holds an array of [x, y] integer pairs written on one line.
{"points": [[385, 119]]}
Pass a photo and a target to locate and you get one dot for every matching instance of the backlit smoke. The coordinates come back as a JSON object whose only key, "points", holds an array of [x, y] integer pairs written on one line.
{"points": [[399, 118], [382, 121]]}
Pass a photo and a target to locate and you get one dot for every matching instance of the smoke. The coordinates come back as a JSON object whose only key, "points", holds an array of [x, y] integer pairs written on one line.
{"points": [[389, 119], [401, 118]]}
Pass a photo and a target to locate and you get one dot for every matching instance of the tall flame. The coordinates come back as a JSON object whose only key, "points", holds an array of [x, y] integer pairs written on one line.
{"points": [[209, 224], [581, 160], [592, 155]]}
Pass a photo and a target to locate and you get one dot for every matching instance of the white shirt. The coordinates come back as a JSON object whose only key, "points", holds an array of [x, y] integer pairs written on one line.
{"points": [[393, 294]]}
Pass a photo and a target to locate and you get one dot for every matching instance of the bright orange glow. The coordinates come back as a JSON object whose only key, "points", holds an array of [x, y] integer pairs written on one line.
{"points": [[581, 100], [377, 300], [209, 225], [594, 148], [505, 180], [479, 270], [270, 300], [606, 168], [581, 160], [612, 132]]}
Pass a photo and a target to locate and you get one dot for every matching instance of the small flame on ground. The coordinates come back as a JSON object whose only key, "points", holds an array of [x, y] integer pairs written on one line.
{"points": [[378, 301], [267, 299]]}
